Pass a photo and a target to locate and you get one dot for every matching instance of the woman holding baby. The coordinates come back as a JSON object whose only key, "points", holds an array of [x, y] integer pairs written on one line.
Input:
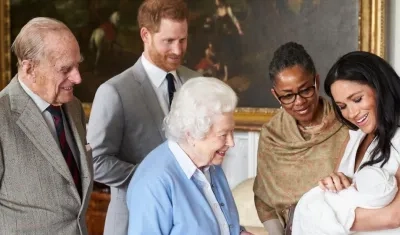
{"points": [[365, 91]]}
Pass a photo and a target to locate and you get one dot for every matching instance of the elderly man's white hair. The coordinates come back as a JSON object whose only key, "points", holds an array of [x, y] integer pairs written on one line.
{"points": [[195, 106], [30, 42]]}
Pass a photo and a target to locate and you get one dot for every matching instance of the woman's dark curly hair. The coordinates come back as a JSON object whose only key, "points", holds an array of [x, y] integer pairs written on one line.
{"points": [[289, 55]]}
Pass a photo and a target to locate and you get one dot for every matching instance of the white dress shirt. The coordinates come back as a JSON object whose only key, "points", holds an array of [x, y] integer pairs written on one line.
{"points": [[203, 178], [42, 105], [160, 83]]}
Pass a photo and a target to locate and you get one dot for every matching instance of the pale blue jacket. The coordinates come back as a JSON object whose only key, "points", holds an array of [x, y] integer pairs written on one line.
{"points": [[162, 200]]}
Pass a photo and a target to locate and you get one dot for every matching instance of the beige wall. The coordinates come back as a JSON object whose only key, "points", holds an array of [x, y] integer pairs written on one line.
{"points": [[393, 45]]}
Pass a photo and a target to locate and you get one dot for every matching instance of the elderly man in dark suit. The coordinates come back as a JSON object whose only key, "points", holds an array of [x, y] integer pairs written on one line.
{"points": [[128, 110], [45, 168]]}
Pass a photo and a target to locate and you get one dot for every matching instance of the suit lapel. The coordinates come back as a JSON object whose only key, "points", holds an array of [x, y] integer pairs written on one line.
{"points": [[79, 136], [182, 75], [36, 129], [149, 96]]}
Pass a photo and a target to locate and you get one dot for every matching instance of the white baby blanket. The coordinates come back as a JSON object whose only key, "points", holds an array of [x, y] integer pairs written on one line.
{"points": [[326, 213]]}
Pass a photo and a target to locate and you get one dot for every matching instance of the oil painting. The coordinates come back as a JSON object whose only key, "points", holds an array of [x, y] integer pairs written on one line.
{"points": [[232, 40]]}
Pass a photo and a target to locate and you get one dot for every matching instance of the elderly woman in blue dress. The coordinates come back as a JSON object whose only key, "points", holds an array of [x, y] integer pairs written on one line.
{"points": [[180, 187]]}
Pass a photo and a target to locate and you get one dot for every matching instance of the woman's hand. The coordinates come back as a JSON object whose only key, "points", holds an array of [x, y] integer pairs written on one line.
{"points": [[245, 233], [335, 182]]}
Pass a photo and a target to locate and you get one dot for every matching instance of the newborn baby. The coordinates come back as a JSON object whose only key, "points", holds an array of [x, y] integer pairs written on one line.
{"points": [[323, 212]]}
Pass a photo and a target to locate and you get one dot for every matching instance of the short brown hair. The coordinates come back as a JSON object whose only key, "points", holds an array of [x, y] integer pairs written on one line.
{"points": [[152, 11]]}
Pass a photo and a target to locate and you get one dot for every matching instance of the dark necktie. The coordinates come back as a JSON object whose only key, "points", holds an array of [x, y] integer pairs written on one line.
{"points": [[171, 87], [66, 151]]}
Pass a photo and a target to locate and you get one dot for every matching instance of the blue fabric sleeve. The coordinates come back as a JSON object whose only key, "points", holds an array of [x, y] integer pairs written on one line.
{"points": [[150, 208]]}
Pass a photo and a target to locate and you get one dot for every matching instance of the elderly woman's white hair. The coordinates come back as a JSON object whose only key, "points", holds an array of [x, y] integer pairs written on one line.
{"points": [[195, 106]]}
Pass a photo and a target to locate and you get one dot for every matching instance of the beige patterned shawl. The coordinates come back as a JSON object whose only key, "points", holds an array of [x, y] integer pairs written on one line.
{"points": [[289, 165]]}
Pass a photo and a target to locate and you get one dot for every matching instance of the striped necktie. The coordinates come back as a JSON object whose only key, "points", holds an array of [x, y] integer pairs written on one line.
{"points": [[65, 149]]}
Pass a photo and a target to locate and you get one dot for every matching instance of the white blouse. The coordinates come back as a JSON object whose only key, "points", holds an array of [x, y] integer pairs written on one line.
{"points": [[348, 161]]}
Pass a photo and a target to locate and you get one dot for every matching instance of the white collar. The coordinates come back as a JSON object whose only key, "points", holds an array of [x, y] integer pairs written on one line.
{"points": [[40, 103], [155, 74], [187, 165]]}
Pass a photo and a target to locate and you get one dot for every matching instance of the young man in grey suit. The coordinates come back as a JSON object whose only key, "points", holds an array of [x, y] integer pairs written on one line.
{"points": [[127, 113], [46, 172]]}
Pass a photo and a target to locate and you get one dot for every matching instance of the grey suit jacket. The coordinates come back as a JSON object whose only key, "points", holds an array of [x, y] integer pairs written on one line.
{"points": [[37, 192], [125, 125]]}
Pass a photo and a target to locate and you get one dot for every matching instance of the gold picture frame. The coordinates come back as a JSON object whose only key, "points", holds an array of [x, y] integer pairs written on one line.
{"points": [[371, 37]]}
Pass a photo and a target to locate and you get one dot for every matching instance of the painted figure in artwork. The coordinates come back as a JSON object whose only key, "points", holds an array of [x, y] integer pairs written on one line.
{"points": [[103, 38], [208, 65], [228, 34]]}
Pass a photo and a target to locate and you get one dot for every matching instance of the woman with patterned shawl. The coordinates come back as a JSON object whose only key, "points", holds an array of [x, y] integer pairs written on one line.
{"points": [[300, 144]]}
